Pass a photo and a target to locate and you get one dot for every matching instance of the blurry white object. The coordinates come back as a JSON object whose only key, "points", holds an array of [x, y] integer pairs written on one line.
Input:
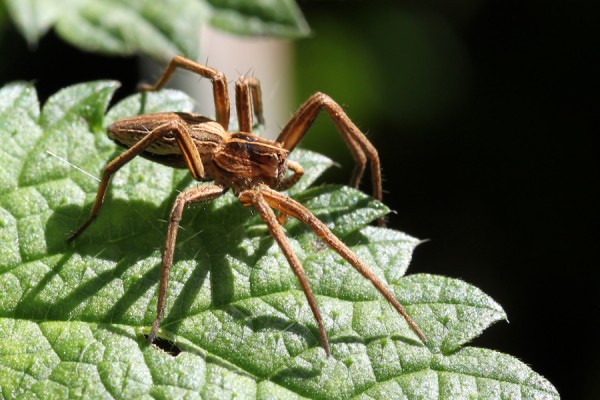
{"points": [[269, 60]]}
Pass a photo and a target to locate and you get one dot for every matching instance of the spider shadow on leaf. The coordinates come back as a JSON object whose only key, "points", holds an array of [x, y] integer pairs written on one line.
{"points": [[210, 236], [94, 263], [275, 324], [126, 233]]}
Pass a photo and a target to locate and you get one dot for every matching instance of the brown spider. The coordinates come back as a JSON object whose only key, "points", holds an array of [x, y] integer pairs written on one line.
{"points": [[253, 167]]}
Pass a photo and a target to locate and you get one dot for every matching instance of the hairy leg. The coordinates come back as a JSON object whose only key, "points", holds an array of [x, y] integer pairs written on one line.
{"points": [[291, 207], [254, 198], [247, 88], [360, 147], [185, 142], [218, 79], [195, 195]]}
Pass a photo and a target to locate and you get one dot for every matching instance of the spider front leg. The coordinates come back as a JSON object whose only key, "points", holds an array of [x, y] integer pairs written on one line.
{"points": [[360, 147], [244, 88], [254, 198], [218, 79], [288, 182], [195, 195], [291, 207], [190, 153]]}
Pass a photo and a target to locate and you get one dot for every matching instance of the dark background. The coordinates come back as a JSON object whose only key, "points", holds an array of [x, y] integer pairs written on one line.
{"points": [[482, 114], [483, 118]]}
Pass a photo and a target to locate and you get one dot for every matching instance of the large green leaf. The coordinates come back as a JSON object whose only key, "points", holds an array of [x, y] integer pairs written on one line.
{"points": [[73, 319], [158, 28]]}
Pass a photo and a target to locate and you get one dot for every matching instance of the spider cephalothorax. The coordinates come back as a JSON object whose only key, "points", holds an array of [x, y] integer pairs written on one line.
{"points": [[244, 160]]}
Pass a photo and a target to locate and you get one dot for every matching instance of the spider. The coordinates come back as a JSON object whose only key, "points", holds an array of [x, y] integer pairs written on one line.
{"points": [[253, 167]]}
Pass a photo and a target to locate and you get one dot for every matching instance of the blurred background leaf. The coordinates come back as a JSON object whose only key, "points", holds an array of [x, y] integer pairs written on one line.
{"points": [[156, 28]]}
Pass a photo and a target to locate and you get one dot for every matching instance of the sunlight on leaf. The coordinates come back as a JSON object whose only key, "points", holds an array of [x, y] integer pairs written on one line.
{"points": [[73, 319]]}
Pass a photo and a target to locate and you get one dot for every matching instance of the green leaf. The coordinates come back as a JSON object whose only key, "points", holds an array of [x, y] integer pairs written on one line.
{"points": [[34, 17], [157, 28], [73, 319], [280, 18]]}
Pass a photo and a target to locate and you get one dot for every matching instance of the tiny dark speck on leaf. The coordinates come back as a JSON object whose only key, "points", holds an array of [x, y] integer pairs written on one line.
{"points": [[167, 346]]}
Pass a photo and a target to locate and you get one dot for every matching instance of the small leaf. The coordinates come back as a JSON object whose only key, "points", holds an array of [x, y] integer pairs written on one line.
{"points": [[73, 319]]}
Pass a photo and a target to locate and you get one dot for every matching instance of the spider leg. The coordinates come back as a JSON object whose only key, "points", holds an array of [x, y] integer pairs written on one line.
{"points": [[360, 147], [195, 195], [244, 87], [254, 198], [293, 208], [290, 181], [190, 153], [287, 183], [219, 82]]}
